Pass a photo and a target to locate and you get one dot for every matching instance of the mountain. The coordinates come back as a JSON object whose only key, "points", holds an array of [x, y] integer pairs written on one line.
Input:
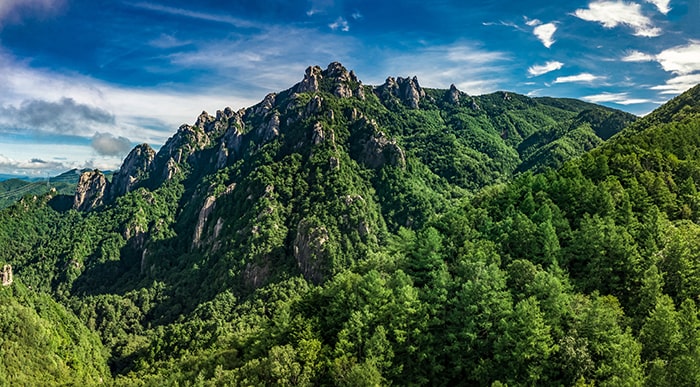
{"points": [[12, 189], [339, 233]]}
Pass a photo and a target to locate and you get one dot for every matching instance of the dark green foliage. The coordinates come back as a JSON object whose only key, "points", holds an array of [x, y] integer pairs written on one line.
{"points": [[370, 244]]}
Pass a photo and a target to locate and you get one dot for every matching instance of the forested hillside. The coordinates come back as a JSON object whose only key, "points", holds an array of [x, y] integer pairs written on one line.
{"points": [[11, 190], [344, 234]]}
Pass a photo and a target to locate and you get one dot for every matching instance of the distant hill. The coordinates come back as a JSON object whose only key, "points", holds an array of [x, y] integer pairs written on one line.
{"points": [[12, 188]]}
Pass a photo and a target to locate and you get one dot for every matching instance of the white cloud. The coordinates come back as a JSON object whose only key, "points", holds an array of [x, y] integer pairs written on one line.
{"points": [[681, 59], [583, 77], [662, 5], [211, 17], [29, 167], [13, 9], [550, 66], [106, 144], [637, 56], [544, 33], [611, 14], [471, 68], [679, 84], [357, 15], [532, 22], [618, 98], [340, 24]]}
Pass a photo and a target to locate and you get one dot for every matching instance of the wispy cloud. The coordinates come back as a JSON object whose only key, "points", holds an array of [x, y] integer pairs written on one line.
{"points": [[678, 84], [638, 56], [13, 10], [611, 14], [340, 24], [662, 5], [218, 18], [357, 15], [618, 98], [580, 78], [550, 66], [168, 41], [440, 66]]}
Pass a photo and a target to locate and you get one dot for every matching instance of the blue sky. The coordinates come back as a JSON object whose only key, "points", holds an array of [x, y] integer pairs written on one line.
{"points": [[82, 81]]}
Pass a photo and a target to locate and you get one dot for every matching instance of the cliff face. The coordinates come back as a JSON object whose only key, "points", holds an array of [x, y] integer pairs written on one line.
{"points": [[91, 190], [136, 168]]}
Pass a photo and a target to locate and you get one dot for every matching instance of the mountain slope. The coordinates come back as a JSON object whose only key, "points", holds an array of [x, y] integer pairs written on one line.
{"points": [[336, 233]]}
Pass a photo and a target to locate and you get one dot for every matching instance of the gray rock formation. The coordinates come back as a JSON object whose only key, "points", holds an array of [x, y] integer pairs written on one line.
{"points": [[135, 168], [378, 150], [91, 190], [309, 250], [6, 275], [407, 90], [453, 94], [334, 79], [270, 130], [311, 80]]}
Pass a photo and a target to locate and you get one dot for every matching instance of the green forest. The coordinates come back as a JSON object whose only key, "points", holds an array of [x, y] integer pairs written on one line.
{"points": [[343, 234]]}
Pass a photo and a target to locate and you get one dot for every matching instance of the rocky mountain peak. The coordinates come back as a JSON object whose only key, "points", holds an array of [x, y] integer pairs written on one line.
{"points": [[407, 90], [335, 79], [135, 168], [91, 190], [453, 94]]}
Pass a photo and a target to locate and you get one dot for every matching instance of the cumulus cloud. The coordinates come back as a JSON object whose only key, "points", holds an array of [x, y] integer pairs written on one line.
{"points": [[662, 5], [580, 78], [550, 66], [106, 144], [681, 59], [32, 166], [65, 116], [618, 98], [340, 24], [544, 33], [638, 56], [611, 14]]}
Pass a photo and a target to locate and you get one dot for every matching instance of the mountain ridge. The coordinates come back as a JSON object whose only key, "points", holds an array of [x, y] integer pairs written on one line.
{"points": [[413, 236]]}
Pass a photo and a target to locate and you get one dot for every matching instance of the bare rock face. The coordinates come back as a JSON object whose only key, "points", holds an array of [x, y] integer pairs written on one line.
{"points": [[378, 150], [178, 149], [231, 142], [309, 250], [134, 169], [204, 213], [313, 106], [311, 80], [91, 190], [407, 90], [266, 105], [453, 94], [336, 79], [270, 130], [6, 275]]}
